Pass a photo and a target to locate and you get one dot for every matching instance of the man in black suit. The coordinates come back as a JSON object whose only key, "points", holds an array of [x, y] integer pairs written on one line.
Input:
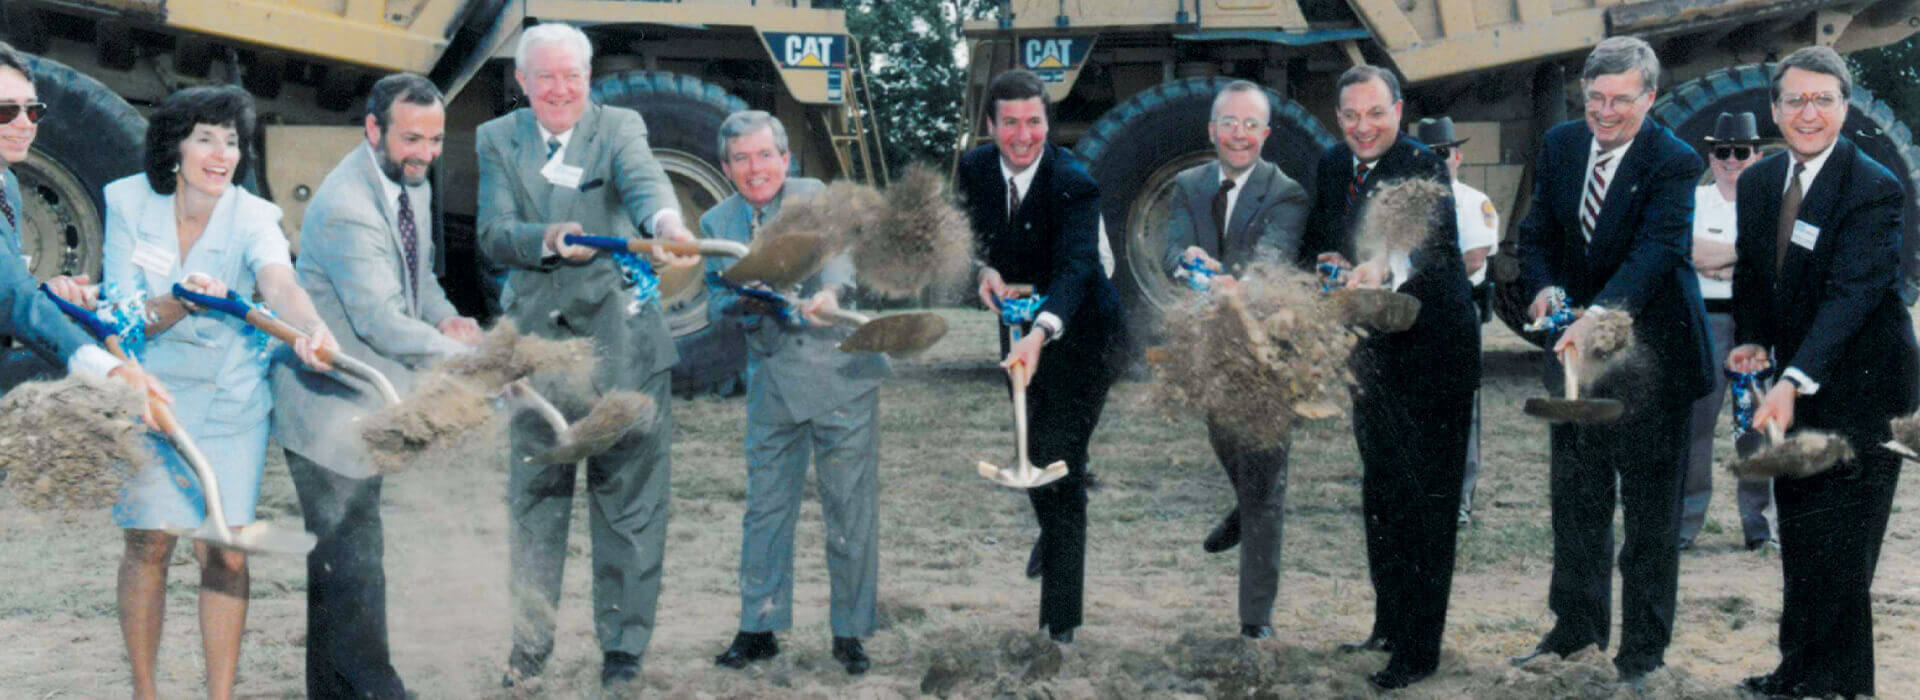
{"points": [[1414, 401], [1234, 210], [1611, 218], [1036, 215], [1816, 295]]}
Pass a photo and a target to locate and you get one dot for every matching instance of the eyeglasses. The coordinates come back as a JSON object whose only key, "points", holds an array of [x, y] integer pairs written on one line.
{"points": [[1228, 123], [1823, 101], [11, 110], [1620, 103], [1732, 152], [1443, 151]]}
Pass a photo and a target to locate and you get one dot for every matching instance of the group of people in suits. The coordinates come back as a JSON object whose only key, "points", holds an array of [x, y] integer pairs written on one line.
{"points": [[1812, 271]]}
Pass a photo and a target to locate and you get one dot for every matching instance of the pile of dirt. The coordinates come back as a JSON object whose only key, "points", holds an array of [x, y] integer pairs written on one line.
{"points": [[1400, 215], [1589, 674], [837, 215], [1608, 345], [1260, 357], [441, 409], [71, 444], [1804, 453], [921, 240]]}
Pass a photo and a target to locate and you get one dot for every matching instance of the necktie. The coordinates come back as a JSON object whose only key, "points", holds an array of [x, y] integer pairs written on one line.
{"points": [[6, 207], [1013, 199], [1789, 212], [753, 222], [410, 240], [1220, 213], [553, 146], [1595, 194], [1359, 178]]}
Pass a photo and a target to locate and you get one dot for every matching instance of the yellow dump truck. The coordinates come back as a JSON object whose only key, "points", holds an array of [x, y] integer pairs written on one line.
{"points": [[309, 63], [1133, 80]]}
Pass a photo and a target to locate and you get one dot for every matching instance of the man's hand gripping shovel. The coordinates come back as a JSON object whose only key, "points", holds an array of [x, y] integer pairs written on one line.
{"points": [[1022, 474], [256, 537]]}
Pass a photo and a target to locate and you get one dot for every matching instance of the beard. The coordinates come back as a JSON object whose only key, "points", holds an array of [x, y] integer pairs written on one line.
{"points": [[397, 170]]}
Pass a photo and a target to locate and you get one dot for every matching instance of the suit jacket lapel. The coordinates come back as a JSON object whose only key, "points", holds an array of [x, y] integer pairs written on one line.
{"points": [[582, 150], [1817, 207], [1251, 198], [1626, 181], [532, 154], [1210, 238], [376, 183]]}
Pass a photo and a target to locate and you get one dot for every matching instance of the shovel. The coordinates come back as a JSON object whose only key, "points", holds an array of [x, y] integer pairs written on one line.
{"points": [[258, 536], [898, 335], [262, 318], [1021, 474], [610, 420], [1807, 453], [1383, 310], [779, 262], [1574, 409]]}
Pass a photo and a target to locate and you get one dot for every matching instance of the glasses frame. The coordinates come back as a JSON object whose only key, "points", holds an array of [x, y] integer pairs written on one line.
{"points": [[1228, 124], [1619, 103], [1811, 99], [1734, 151], [10, 111]]}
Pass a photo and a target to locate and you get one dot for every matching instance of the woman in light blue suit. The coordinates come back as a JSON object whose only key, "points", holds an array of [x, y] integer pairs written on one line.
{"points": [[184, 221]]}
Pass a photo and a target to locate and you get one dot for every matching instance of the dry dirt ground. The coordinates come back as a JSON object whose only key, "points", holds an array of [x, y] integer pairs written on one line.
{"points": [[957, 617]]}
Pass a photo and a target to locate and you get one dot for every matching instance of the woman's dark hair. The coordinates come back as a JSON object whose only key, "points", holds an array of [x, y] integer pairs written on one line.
{"points": [[173, 122]]}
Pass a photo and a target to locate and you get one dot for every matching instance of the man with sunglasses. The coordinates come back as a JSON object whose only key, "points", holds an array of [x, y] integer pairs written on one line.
{"points": [[1733, 145], [1612, 210], [1239, 209], [25, 313], [1816, 298]]}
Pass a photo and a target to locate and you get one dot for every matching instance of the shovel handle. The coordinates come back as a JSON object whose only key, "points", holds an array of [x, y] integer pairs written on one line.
{"points": [[644, 246], [1775, 433], [260, 318], [844, 317], [1570, 359]]}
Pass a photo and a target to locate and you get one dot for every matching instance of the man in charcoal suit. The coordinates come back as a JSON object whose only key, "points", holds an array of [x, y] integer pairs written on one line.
{"points": [[1036, 215], [1236, 210], [1816, 296], [1413, 403], [1610, 223], [366, 258]]}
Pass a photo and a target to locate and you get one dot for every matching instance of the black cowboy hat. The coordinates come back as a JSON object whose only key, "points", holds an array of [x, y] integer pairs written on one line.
{"points": [[1735, 128], [1436, 133]]}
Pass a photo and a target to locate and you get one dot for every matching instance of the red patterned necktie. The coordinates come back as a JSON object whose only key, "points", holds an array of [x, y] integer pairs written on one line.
{"points": [[1359, 178]]}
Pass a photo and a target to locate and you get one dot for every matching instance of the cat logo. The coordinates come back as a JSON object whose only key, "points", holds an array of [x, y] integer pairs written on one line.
{"points": [[1051, 53], [815, 51]]}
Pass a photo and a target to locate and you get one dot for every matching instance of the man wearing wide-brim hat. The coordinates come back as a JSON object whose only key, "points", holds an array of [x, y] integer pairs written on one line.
{"points": [[1734, 144], [1479, 225]]}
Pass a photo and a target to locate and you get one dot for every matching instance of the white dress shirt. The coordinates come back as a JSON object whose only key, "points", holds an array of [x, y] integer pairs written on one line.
{"points": [[1233, 195], [1023, 181], [1478, 222], [1714, 220], [1808, 171]]}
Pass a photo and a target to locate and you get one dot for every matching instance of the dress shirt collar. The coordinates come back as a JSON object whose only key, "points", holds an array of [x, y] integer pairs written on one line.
{"points": [[418, 193], [1809, 169], [545, 136], [1024, 178]]}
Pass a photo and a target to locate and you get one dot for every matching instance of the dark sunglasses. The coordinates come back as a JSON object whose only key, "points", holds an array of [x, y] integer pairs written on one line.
{"points": [[11, 111], [1732, 152], [1443, 151]]}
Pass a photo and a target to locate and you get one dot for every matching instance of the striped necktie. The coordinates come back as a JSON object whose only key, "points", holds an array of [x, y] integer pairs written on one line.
{"points": [[1596, 194], [6, 208]]}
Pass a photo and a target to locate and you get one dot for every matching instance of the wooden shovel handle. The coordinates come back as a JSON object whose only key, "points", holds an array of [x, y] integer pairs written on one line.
{"points": [[1570, 366]]}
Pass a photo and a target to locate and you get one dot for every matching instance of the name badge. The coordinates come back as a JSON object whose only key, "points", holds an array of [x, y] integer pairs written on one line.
{"points": [[1805, 234], [562, 175], [153, 258]]}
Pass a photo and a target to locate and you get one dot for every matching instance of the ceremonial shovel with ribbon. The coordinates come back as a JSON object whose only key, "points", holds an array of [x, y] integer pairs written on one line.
{"points": [[1018, 308], [1569, 408], [898, 335], [258, 536]]}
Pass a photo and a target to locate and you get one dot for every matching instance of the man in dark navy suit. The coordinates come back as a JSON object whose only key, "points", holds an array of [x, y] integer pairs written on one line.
{"points": [[1609, 227], [1414, 401], [1816, 296], [1036, 218]]}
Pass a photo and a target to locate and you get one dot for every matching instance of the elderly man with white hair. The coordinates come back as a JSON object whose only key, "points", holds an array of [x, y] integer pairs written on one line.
{"points": [[563, 165]]}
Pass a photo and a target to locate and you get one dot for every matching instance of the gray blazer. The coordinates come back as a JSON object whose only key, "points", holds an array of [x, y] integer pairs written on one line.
{"points": [[1266, 220], [798, 368], [621, 187], [353, 265], [25, 313]]}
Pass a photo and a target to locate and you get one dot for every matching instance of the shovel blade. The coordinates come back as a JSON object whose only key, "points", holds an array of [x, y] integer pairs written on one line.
{"points": [[1382, 310], [1025, 476], [258, 537], [1899, 448], [613, 418], [1582, 411], [898, 335], [781, 262]]}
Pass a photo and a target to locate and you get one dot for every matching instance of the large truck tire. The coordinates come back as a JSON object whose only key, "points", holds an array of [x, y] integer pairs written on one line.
{"points": [[683, 117], [1137, 148], [90, 137]]}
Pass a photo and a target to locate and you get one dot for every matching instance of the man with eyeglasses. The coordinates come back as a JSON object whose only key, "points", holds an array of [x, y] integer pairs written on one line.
{"points": [[1239, 209], [1816, 299], [25, 313], [1733, 145], [1479, 226], [1414, 398], [1608, 228]]}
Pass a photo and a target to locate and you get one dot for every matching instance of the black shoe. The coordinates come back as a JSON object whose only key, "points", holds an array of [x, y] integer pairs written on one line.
{"points": [[1225, 535], [1064, 636], [1256, 631], [1035, 565], [748, 647], [520, 669], [847, 651], [1391, 678], [1371, 643], [618, 668]]}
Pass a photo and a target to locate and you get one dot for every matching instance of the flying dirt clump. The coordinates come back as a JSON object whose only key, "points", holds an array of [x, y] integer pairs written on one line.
{"points": [[837, 215], [71, 444], [1400, 215], [1256, 359], [920, 240]]}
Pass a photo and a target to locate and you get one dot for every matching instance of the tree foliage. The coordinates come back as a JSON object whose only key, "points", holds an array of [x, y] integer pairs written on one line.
{"points": [[1892, 72], [912, 51]]}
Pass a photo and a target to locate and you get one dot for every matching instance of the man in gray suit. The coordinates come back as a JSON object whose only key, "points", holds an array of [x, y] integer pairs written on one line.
{"points": [[804, 397], [564, 165], [366, 254], [1262, 210], [25, 313]]}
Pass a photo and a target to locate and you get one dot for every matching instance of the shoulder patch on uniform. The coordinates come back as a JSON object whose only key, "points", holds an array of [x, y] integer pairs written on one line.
{"points": [[1487, 213]]}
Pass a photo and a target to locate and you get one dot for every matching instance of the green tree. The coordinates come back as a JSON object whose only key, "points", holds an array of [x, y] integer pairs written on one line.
{"points": [[914, 61], [1892, 72]]}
